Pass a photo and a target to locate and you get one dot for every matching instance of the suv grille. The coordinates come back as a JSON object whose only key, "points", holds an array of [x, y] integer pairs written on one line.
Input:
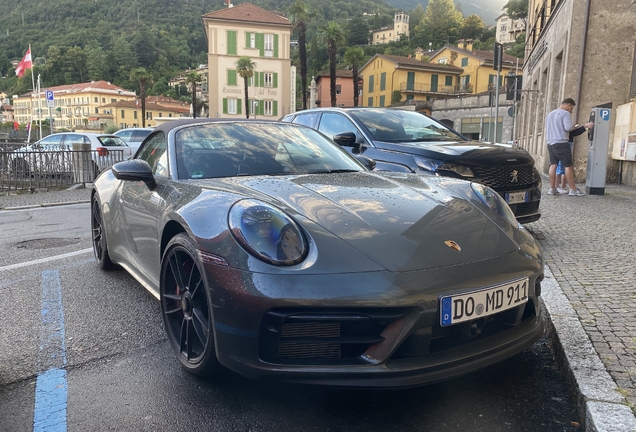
{"points": [[503, 176]]}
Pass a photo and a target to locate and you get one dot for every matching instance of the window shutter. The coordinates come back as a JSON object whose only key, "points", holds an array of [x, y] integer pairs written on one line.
{"points": [[261, 107], [275, 108], [383, 81], [371, 83], [434, 82], [260, 43], [449, 80], [238, 106], [231, 42], [275, 47], [247, 39], [224, 105], [370, 102], [275, 83], [262, 79], [256, 82], [231, 77]]}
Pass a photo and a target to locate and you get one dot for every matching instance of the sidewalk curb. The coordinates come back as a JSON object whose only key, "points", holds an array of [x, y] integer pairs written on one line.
{"points": [[26, 207], [600, 404]]}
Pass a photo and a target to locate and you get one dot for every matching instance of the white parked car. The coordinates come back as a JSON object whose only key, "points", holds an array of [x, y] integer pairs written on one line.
{"points": [[53, 154]]}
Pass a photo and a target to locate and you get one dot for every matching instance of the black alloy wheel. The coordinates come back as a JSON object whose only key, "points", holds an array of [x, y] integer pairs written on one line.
{"points": [[100, 249], [186, 307]]}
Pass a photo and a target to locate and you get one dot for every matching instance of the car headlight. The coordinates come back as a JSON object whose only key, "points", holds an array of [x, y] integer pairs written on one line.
{"points": [[495, 202], [435, 165], [267, 233]]}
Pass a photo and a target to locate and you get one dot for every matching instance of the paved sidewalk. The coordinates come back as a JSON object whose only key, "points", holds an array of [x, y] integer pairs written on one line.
{"points": [[589, 294]]}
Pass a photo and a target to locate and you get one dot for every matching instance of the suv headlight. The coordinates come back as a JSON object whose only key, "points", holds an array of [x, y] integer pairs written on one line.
{"points": [[267, 233], [435, 165], [495, 202]]}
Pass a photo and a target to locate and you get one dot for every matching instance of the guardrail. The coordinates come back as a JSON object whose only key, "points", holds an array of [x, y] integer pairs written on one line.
{"points": [[34, 169]]}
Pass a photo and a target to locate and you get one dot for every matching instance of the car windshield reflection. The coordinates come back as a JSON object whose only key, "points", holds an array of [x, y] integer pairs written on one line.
{"points": [[249, 149], [404, 127]]}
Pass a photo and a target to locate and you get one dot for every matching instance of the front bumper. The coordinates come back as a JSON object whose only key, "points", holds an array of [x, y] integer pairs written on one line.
{"points": [[376, 329]]}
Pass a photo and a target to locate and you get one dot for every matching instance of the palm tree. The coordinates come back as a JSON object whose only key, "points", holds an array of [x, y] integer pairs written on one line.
{"points": [[332, 35], [144, 78], [298, 13], [193, 77], [245, 68], [354, 56]]}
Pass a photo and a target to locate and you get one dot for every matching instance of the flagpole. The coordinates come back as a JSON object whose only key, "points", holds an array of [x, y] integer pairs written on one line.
{"points": [[33, 84]]}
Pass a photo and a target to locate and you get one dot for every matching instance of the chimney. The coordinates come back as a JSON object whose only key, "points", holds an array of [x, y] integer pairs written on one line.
{"points": [[469, 45]]}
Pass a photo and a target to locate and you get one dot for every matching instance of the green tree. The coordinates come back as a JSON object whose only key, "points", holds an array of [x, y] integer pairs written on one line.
{"points": [[519, 48], [357, 31], [396, 97], [416, 16], [95, 61], [245, 68], [472, 27], [517, 9], [144, 78], [354, 56], [440, 25], [194, 78], [332, 35], [299, 13]]}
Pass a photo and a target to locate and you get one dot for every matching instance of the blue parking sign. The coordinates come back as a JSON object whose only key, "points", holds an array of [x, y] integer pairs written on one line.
{"points": [[49, 99], [605, 114]]}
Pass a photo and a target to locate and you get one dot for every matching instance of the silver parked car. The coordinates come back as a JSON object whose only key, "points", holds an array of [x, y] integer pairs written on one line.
{"points": [[277, 254], [53, 154]]}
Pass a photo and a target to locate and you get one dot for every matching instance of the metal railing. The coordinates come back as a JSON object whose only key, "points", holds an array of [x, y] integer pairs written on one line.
{"points": [[34, 169], [439, 89]]}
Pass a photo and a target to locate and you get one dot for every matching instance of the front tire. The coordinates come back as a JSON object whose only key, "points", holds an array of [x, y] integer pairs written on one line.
{"points": [[100, 248], [186, 307]]}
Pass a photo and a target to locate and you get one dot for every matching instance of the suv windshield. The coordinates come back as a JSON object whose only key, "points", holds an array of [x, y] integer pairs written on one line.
{"points": [[404, 126]]}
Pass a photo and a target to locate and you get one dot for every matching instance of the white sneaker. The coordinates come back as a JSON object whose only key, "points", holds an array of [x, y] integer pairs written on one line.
{"points": [[576, 192], [552, 191], [562, 191]]}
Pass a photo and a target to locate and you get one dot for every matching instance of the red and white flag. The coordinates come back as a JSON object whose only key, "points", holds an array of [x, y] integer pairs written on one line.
{"points": [[25, 64]]}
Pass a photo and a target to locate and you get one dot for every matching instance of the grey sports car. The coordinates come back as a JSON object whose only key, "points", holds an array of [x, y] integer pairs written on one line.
{"points": [[275, 253]]}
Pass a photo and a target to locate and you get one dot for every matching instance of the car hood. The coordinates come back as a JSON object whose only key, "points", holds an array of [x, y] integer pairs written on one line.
{"points": [[466, 152], [402, 222]]}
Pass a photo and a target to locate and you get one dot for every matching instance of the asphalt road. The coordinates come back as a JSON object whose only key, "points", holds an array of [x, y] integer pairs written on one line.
{"points": [[120, 373]]}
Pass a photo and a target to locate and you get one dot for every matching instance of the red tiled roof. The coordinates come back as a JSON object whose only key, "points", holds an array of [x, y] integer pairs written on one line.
{"points": [[83, 87], [247, 12]]}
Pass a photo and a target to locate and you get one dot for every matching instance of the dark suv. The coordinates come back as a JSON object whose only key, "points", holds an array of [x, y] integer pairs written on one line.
{"points": [[407, 141]]}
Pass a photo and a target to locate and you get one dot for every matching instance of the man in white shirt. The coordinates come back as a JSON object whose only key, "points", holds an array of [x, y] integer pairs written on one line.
{"points": [[558, 125]]}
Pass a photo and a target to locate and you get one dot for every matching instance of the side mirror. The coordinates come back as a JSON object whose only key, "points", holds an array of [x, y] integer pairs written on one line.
{"points": [[135, 170], [366, 161], [345, 138]]}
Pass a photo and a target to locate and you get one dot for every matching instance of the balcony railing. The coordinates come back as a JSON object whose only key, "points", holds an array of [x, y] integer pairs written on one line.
{"points": [[418, 88]]}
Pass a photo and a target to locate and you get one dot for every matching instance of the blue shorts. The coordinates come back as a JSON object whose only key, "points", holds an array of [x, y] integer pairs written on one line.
{"points": [[559, 169]]}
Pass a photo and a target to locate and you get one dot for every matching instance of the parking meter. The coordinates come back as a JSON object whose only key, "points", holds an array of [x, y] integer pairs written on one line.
{"points": [[598, 137]]}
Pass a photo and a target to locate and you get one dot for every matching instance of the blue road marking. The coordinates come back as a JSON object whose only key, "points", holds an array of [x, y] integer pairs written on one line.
{"points": [[51, 389]]}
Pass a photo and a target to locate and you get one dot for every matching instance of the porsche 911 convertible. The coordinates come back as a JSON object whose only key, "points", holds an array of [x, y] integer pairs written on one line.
{"points": [[276, 254]]}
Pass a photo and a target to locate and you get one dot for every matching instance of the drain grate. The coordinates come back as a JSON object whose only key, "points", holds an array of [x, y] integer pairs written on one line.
{"points": [[46, 243]]}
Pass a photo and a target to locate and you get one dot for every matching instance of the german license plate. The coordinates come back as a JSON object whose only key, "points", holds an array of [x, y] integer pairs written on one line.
{"points": [[476, 304], [517, 197]]}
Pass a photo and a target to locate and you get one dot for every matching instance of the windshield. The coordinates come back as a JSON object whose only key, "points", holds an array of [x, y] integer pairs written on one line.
{"points": [[212, 150], [398, 126]]}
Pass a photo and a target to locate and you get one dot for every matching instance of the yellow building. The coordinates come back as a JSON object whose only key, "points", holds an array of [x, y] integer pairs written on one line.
{"points": [[127, 114], [478, 76], [414, 79], [248, 30], [392, 34], [76, 106]]}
